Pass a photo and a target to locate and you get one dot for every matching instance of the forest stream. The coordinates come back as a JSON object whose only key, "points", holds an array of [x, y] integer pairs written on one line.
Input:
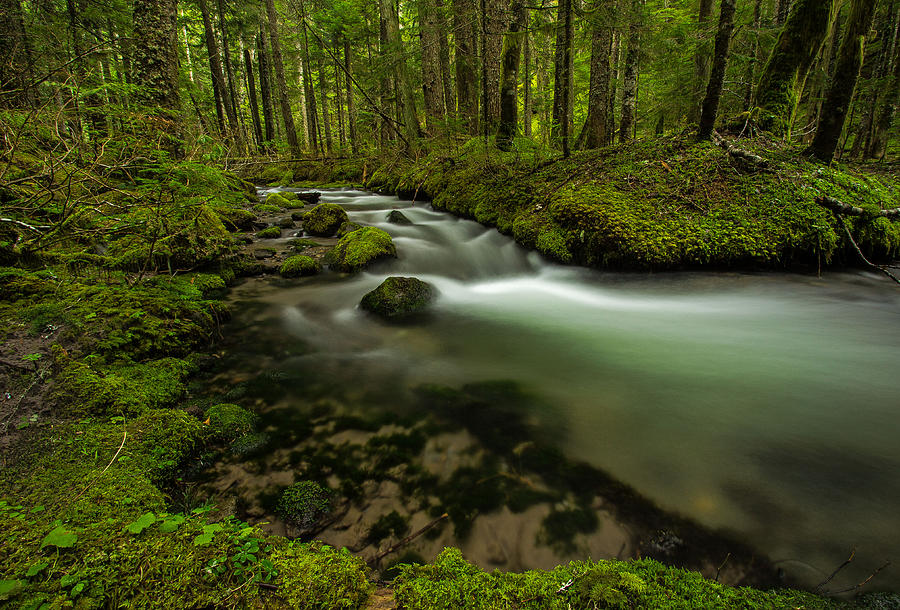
{"points": [[762, 404]]}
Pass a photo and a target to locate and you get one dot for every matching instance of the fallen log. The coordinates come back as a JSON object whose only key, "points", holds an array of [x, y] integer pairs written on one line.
{"points": [[839, 207], [739, 153]]}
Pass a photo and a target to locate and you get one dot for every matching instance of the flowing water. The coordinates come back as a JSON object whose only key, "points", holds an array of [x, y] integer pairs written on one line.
{"points": [[764, 404]]}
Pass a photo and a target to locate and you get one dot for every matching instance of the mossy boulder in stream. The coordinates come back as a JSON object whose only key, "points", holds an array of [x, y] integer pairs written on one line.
{"points": [[324, 219], [277, 199], [398, 218], [398, 297], [358, 249], [298, 266], [269, 233], [348, 227]]}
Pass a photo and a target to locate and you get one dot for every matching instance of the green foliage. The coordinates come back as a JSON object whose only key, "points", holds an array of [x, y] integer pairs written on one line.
{"points": [[324, 219], [320, 577], [266, 208], [358, 249], [304, 503], [299, 265], [270, 233], [277, 200], [228, 422]]}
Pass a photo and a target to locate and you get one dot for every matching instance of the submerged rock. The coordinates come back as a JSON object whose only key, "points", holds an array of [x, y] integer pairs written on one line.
{"points": [[348, 227], [324, 219], [358, 249], [397, 297], [286, 223], [398, 218]]}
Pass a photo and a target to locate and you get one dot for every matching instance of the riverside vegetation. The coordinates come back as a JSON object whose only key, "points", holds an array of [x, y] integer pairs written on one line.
{"points": [[110, 305]]}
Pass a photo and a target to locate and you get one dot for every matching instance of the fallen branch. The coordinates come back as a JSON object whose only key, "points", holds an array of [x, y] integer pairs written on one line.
{"points": [[406, 540], [863, 256], [36, 229], [722, 565], [839, 207], [739, 153], [835, 573], [865, 582]]}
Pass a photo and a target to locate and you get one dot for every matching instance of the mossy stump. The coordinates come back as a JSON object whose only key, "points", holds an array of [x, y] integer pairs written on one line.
{"points": [[324, 219], [399, 297]]}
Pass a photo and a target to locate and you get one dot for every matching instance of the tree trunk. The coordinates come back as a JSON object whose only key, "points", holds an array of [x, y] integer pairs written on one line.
{"points": [[782, 8], [885, 118], [720, 64], [597, 130], [280, 81], [630, 76], [339, 97], [614, 81], [562, 80], [351, 107], [254, 107], [750, 76], [265, 90], [509, 99], [15, 56], [526, 77], [464, 27], [446, 78], [326, 116], [432, 82], [494, 27], [226, 60], [401, 72], [309, 94], [386, 129], [701, 59], [215, 69], [785, 72], [156, 67], [843, 83]]}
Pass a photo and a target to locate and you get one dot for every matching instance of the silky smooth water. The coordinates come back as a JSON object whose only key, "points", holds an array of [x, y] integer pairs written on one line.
{"points": [[765, 404]]}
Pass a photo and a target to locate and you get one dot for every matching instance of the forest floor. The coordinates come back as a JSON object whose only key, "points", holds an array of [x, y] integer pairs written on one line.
{"points": [[104, 330]]}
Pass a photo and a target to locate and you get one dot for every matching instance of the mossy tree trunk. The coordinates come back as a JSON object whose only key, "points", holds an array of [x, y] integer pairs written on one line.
{"points": [[495, 24], [750, 76], [15, 56], [265, 89], [843, 83], [406, 99], [527, 107], [886, 114], [223, 109], [254, 106], [326, 115], [445, 63], [281, 83], [630, 76], [717, 76], [701, 59], [313, 136], [155, 57], [785, 72], [351, 105], [464, 28], [432, 80], [597, 130], [509, 83], [560, 128]]}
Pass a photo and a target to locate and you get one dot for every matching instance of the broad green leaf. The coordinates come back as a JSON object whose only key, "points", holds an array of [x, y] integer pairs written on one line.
{"points": [[143, 522], [60, 537], [77, 589], [203, 539], [8, 587], [170, 525], [36, 568]]}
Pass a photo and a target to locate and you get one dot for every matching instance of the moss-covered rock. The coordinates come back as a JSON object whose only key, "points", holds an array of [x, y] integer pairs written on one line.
{"points": [[398, 297], [277, 199], [324, 219], [358, 249], [269, 233], [228, 421], [236, 219], [303, 504], [285, 223], [301, 243], [348, 227], [266, 208], [319, 576], [297, 216], [288, 195], [398, 218], [298, 266]]}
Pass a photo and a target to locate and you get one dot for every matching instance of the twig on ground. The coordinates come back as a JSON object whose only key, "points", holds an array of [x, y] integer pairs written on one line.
{"points": [[406, 540]]}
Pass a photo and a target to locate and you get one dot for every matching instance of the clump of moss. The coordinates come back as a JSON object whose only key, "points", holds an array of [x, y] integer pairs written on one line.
{"points": [[266, 208], [324, 219], [298, 266], [229, 421], [348, 227], [301, 243], [356, 250], [288, 195], [236, 219], [318, 576], [303, 504], [398, 297], [270, 233], [277, 200]]}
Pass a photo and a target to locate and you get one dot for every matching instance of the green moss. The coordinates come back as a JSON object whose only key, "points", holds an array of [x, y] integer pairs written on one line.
{"points": [[237, 219], [267, 208], [304, 503], [229, 421], [320, 577], [360, 248], [348, 227], [324, 219], [299, 265], [288, 195], [301, 243], [398, 297], [270, 233], [452, 582], [277, 200]]}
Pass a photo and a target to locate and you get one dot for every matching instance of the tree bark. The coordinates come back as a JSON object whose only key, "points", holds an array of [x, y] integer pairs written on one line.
{"points": [[510, 58], [630, 76], [888, 112], [215, 69], [351, 107], [309, 94], [226, 60], [280, 81], [446, 78], [254, 107], [843, 83], [495, 26], [597, 129], [464, 28], [401, 72], [526, 77], [156, 67], [562, 70], [750, 76], [782, 8], [432, 81], [326, 116], [701, 59], [15, 56], [265, 90], [784, 75], [720, 64]]}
